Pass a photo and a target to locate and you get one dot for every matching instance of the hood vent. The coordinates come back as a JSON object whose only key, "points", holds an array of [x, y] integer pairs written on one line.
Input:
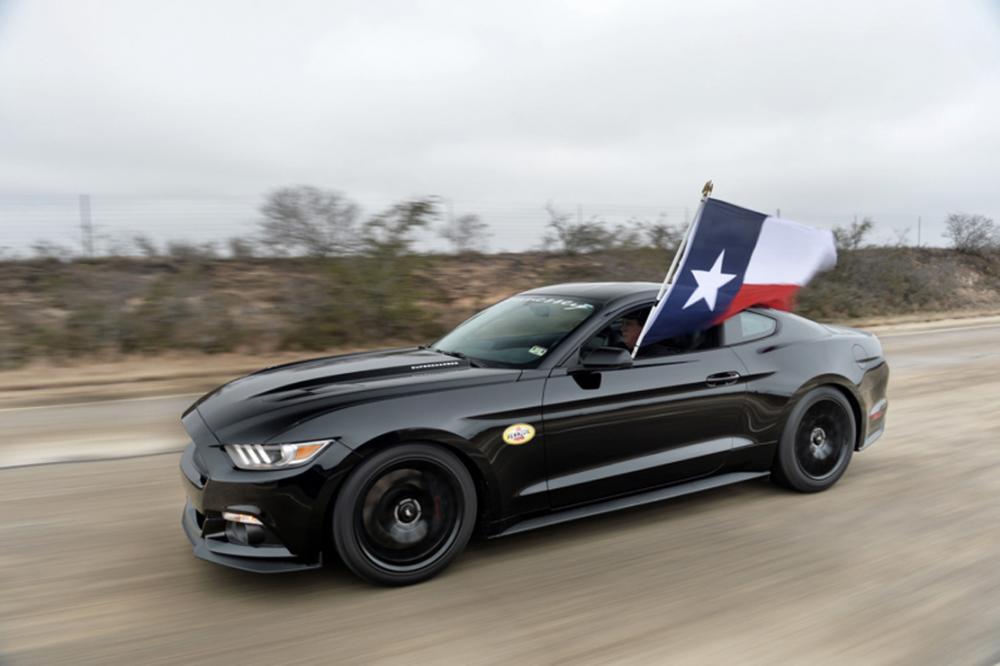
{"points": [[433, 366]]}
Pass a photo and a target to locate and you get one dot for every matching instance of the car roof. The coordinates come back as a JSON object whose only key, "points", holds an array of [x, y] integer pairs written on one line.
{"points": [[609, 292], [604, 292]]}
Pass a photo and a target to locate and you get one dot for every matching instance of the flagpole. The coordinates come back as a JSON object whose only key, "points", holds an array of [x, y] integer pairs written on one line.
{"points": [[680, 250], [706, 192]]}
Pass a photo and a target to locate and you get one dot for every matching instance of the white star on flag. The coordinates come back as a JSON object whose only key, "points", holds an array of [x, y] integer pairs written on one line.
{"points": [[709, 283]]}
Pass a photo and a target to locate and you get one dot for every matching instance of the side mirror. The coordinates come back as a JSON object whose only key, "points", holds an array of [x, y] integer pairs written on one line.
{"points": [[607, 358]]}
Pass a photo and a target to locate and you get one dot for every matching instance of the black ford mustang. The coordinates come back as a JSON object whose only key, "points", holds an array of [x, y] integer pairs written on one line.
{"points": [[530, 413]]}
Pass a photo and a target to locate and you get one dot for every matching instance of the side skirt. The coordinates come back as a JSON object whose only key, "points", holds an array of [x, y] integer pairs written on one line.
{"points": [[618, 503]]}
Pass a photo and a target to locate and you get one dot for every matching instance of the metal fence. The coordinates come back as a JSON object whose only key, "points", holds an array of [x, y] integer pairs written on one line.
{"points": [[81, 225]]}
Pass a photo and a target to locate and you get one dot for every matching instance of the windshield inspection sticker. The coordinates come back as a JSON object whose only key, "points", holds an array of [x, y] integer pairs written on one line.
{"points": [[538, 351], [519, 433]]}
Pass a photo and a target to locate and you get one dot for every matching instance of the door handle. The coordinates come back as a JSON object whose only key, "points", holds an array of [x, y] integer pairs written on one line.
{"points": [[722, 378]]}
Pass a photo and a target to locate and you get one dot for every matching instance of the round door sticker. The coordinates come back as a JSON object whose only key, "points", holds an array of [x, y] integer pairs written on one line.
{"points": [[519, 433]]}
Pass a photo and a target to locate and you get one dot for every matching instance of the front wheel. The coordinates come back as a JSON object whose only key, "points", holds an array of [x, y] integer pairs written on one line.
{"points": [[817, 443], [404, 514]]}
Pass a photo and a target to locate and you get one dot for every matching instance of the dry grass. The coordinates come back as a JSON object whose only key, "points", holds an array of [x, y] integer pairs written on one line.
{"points": [[112, 308]]}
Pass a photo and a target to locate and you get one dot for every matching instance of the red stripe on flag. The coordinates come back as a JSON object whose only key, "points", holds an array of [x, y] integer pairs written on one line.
{"points": [[777, 296]]}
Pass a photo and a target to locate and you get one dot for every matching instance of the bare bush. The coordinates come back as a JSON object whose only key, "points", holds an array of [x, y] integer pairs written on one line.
{"points": [[661, 235], [187, 251], [902, 237], [49, 250], [853, 237], [145, 245], [113, 245], [374, 292], [627, 236], [308, 220], [972, 234], [241, 248], [466, 233], [575, 238], [392, 231], [594, 235]]}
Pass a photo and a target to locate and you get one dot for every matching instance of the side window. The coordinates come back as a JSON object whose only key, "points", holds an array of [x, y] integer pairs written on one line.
{"points": [[622, 332], [747, 326], [699, 341]]}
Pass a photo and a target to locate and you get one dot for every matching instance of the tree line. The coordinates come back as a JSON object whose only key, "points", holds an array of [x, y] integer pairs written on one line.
{"points": [[309, 221], [317, 273]]}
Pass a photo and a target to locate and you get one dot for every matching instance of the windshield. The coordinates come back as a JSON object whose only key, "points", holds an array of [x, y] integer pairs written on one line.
{"points": [[519, 331]]}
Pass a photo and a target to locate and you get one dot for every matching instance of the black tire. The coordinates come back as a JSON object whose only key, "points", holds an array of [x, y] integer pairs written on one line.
{"points": [[404, 514], [817, 443]]}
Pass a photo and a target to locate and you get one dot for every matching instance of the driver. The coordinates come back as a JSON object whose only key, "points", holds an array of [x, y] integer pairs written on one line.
{"points": [[631, 328]]}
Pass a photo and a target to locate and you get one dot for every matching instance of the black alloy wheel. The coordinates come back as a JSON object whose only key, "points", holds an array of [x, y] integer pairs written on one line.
{"points": [[404, 514], [817, 443]]}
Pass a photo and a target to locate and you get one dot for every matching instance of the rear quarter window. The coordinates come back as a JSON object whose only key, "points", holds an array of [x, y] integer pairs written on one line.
{"points": [[748, 326]]}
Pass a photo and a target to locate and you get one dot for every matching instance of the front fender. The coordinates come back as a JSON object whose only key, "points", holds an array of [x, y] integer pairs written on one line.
{"points": [[487, 484], [469, 422]]}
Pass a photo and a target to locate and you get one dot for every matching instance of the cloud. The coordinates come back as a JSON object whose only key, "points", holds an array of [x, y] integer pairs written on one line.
{"points": [[818, 108]]}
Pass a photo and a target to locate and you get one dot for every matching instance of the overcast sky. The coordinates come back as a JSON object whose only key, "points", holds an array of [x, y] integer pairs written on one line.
{"points": [[820, 108]]}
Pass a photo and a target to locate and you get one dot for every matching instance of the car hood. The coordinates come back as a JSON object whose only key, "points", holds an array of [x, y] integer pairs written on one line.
{"points": [[260, 406]]}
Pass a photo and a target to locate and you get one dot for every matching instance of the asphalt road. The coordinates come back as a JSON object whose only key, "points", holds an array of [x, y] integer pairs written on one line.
{"points": [[899, 563], [92, 430]]}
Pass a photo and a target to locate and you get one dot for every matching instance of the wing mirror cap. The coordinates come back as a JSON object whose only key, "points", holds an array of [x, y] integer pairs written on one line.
{"points": [[606, 357]]}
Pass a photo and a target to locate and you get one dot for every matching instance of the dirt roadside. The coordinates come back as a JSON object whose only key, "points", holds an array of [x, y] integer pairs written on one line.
{"points": [[168, 374], [171, 374]]}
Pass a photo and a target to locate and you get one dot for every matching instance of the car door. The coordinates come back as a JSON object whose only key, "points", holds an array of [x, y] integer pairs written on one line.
{"points": [[663, 420]]}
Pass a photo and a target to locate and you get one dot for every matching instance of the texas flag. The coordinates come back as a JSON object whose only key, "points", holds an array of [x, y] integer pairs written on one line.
{"points": [[734, 259]]}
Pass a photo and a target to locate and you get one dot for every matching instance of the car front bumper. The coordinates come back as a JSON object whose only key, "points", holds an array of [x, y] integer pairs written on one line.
{"points": [[291, 506], [258, 559]]}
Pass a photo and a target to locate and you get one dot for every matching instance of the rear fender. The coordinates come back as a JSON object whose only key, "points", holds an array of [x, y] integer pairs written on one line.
{"points": [[842, 384]]}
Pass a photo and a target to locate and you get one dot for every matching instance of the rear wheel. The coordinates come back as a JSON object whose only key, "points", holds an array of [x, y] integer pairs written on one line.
{"points": [[817, 443], [404, 514]]}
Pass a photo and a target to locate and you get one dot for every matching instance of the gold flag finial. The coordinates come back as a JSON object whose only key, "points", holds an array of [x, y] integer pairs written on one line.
{"points": [[706, 191]]}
